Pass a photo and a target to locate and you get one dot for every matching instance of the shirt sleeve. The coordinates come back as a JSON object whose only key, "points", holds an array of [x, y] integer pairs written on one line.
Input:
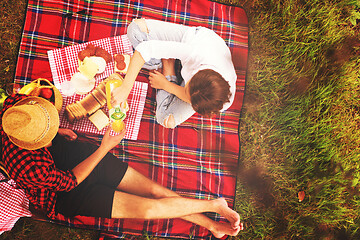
{"points": [[163, 49], [51, 178]]}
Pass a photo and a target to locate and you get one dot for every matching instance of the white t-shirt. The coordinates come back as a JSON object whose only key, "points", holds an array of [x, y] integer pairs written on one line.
{"points": [[200, 48]]}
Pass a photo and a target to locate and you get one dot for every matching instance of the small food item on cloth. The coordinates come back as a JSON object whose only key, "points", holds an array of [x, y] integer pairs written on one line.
{"points": [[116, 114], [91, 48], [121, 66], [100, 62], [83, 54], [100, 52], [28, 88], [74, 112], [67, 89], [110, 86], [87, 52], [99, 119], [92, 61], [122, 63], [81, 83], [46, 93], [119, 57], [96, 53], [117, 119], [88, 68]]}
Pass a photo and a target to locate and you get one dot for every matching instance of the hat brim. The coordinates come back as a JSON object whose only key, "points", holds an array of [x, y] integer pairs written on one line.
{"points": [[54, 124]]}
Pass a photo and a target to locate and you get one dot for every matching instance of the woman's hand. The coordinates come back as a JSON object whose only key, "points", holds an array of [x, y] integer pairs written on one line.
{"points": [[158, 81], [109, 142], [119, 95], [67, 133]]}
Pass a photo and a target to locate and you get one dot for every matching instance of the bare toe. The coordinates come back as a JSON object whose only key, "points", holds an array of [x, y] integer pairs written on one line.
{"points": [[222, 229]]}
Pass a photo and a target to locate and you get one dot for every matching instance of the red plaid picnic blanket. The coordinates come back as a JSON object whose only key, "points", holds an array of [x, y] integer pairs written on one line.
{"points": [[197, 159], [64, 64]]}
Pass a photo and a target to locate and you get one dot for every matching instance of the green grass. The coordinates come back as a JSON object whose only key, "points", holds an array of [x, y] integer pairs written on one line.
{"points": [[11, 23], [300, 125], [304, 134]]}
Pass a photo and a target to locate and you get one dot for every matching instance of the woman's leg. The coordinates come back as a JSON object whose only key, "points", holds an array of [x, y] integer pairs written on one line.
{"points": [[171, 110], [173, 113], [137, 184], [140, 30], [158, 30], [137, 32]]}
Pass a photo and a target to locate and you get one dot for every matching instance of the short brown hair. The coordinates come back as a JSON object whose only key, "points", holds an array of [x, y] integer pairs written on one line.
{"points": [[208, 92]]}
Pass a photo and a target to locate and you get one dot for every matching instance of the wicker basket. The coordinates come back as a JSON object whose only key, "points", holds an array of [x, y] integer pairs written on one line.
{"points": [[57, 98]]}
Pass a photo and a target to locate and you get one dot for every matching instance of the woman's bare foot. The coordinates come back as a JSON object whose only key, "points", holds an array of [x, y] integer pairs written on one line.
{"points": [[223, 209], [169, 122]]}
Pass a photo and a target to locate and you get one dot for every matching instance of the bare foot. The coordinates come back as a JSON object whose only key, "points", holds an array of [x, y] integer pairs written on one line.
{"points": [[221, 229], [231, 215], [169, 122]]}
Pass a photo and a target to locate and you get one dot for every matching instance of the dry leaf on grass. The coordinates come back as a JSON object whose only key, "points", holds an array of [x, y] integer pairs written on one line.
{"points": [[301, 196]]}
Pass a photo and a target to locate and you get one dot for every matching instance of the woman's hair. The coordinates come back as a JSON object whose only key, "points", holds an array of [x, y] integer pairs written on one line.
{"points": [[208, 92]]}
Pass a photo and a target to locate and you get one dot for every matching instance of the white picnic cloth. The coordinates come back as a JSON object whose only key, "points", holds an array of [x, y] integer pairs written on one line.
{"points": [[13, 204], [64, 64]]}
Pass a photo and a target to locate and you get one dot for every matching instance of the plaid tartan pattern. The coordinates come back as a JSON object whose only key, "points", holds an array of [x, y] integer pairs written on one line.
{"points": [[197, 159]]}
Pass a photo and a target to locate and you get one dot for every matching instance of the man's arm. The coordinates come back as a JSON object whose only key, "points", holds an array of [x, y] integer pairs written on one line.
{"points": [[83, 169]]}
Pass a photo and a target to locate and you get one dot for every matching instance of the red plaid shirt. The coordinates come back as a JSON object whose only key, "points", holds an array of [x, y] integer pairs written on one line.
{"points": [[34, 170]]}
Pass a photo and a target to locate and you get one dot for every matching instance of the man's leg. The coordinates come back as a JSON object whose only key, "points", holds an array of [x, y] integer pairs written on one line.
{"points": [[168, 202]]}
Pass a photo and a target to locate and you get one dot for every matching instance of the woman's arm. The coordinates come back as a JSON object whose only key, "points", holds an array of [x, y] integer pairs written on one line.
{"points": [[121, 93], [144, 52], [158, 81], [179, 91]]}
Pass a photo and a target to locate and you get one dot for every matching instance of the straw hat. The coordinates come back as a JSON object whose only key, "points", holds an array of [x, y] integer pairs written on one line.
{"points": [[31, 123]]}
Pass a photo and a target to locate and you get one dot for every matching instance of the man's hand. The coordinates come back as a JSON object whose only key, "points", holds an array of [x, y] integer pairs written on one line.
{"points": [[109, 142], [67, 133]]}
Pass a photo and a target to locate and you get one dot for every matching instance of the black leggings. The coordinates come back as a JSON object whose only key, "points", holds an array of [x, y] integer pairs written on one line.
{"points": [[94, 196]]}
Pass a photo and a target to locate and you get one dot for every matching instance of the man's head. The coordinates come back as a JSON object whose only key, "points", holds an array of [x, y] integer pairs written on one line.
{"points": [[209, 91], [31, 123]]}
